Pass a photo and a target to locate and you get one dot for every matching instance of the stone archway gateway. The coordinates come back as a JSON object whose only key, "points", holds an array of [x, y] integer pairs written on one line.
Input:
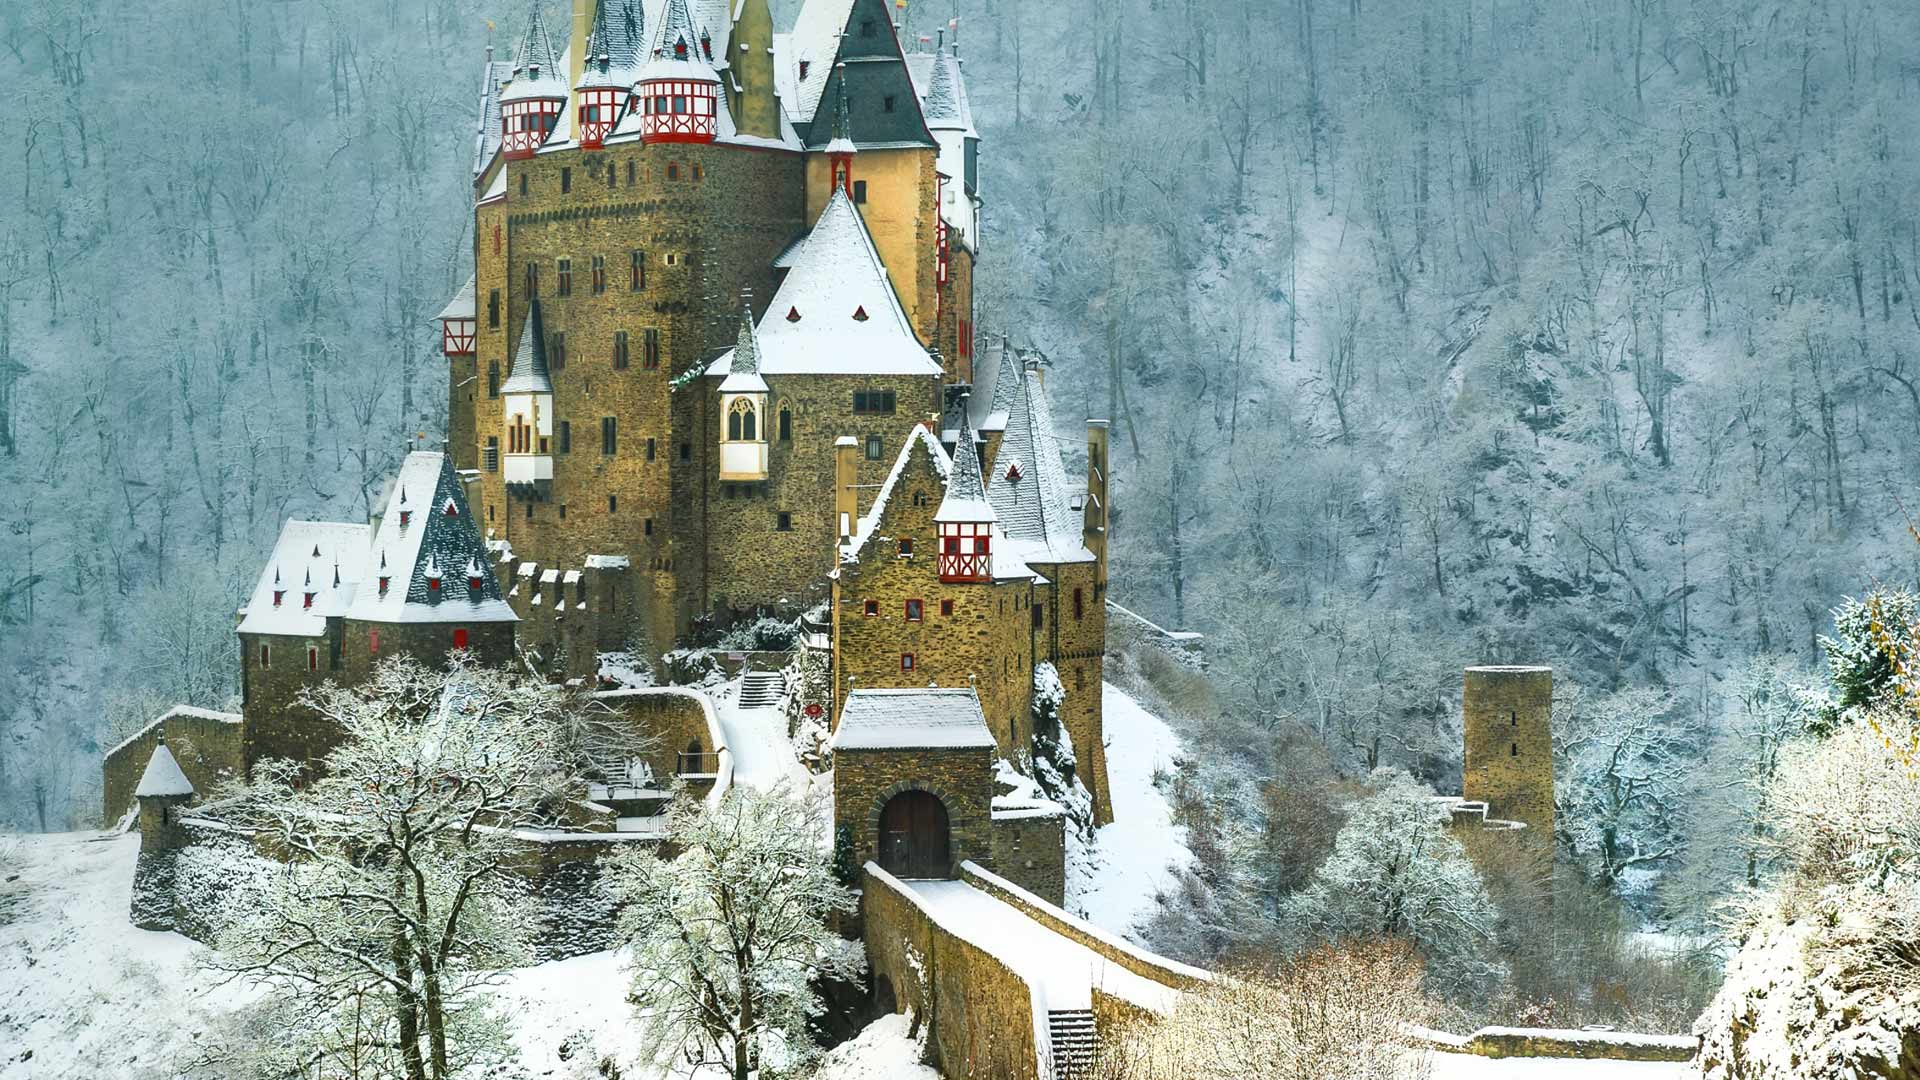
{"points": [[914, 836]]}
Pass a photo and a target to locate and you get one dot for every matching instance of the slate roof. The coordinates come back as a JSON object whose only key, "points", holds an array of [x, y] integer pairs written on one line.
{"points": [[999, 394], [678, 26], [1036, 509], [324, 558], [439, 541], [486, 139], [930, 719], [815, 40], [943, 92], [163, 776], [529, 372], [847, 320], [966, 499], [535, 53], [743, 375], [615, 44], [869, 523]]}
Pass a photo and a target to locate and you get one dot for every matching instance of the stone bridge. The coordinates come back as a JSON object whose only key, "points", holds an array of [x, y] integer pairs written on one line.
{"points": [[1010, 986]]}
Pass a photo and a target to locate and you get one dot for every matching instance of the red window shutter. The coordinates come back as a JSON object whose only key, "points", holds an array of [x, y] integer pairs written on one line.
{"points": [[373, 641], [460, 638]]}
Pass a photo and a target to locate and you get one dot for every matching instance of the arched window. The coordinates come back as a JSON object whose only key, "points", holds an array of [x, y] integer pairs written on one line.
{"points": [[786, 424], [742, 422]]}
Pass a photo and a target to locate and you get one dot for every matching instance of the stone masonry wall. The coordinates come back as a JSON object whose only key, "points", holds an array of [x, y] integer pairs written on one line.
{"points": [[752, 562], [985, 642], [675, 720], [902, 189], [1168, 973], [1508, 745], [1030, 850], [210, 747], [980, 1015], [863, 781], [1073, 635]]}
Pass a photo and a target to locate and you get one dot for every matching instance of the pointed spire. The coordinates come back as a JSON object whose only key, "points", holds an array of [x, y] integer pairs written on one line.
{"points": [[841, 141], [1006, 381], [942, 106], [529, 372], [746, 353], [535, 57], [966, 499], [678, 39]]}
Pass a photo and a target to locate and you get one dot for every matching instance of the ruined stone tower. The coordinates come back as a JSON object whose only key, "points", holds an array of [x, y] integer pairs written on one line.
{"points": [[1507, 763]]}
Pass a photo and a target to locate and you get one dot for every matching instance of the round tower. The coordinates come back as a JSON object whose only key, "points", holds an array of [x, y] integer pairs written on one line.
{"points": [[679, 92], [530, 105], [1507, 759]]}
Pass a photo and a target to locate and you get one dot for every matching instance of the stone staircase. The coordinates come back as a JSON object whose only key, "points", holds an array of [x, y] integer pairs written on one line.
{"points": [[762, 689], [1074, 1043]]}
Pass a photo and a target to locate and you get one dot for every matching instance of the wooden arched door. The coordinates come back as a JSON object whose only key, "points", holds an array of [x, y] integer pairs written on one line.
{"points": [[913, 836]]}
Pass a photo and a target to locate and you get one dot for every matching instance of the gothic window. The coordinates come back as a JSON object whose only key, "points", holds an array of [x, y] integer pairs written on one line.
{"points": [[874, 448], [563, 285], [533, 280], [786, 424], [620, 353], [557, 352], [740, 421], [650, 346], [599, 274], [637, 264]]}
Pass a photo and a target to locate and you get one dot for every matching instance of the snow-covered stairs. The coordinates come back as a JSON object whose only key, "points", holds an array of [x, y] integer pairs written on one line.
{"points": [[762, 689], [1074, 1043]]}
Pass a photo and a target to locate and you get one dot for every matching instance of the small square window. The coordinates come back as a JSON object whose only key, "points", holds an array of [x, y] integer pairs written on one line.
{"points": [[946, 607], [874, 448], [886, 105], [860, 192], [871, 608], [906, 547], [686, 451], [915, 609], [783, 521], [906, 661]]}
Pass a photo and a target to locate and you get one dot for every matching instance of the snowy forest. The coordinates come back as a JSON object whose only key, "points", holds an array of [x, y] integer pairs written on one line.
{"points": [[1431, 334]]}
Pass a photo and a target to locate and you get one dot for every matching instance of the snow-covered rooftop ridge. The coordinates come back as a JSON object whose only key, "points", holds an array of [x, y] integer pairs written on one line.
{"points": [[943, 101], [536, 63], [993, 404], [966, 498], [1030, 489], [837, 312], [162, 776], [462, 305], [311, 573], [869, 522], [614, 44], [936, 718], [486, 137], [528, 374], [430, 553], [177, 710], [679, 48]]}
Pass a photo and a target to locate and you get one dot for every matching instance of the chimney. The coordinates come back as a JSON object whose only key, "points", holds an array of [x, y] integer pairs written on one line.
{"points": [[577, 44], [846, 451]]}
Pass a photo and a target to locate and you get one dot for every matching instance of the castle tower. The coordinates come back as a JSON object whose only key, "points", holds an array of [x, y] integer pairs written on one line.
{"points": [[606, 77], [163, 793], [526, 408], [965, 518], [679, 92], [531, 103], [1507, 762]]}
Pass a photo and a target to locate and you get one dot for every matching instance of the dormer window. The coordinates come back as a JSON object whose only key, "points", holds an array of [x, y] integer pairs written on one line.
{"points": [[473, 584], [279, 595], [433, 585], [680, 49], [385, 582], [742, 421], [306, 603], [860, 313], [793, 314], [406, 518], [804, 65]]}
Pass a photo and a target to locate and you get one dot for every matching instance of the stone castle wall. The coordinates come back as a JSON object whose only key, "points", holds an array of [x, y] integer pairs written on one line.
{"points": [[210, 747], [1030, 850], [863, 781]]}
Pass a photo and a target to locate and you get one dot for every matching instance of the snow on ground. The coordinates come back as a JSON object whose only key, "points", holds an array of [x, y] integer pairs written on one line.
{"points": [[1129, 862], [881, 1052], [762, 754], [1474, 1067], [1064, 969], [82, 992]]}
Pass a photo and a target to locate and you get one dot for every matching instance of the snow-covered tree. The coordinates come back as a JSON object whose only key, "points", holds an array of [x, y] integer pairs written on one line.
{"points": [[1619, 779], [394, 909], [1396, 872], [1055, 764], [729, 934]]}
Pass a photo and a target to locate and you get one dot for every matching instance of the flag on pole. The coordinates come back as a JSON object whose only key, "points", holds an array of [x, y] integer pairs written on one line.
{"points": [[926, 39]]}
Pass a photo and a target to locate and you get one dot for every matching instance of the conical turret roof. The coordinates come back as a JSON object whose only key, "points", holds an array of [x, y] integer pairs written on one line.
{"points": [[613, 44], [536, 64], [676, 52], [966, 498], [744, 375], [529, 373]]}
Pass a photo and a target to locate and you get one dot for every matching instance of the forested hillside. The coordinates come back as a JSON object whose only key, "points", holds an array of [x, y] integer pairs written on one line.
{"points": [[1431, 334]]}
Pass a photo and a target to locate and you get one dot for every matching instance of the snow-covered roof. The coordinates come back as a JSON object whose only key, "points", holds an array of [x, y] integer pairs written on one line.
{"points": [[677, 48], [486, 139], [815, 42], [931, 719], [536, 64], [1030, 489], [992, 402], [162, 776], [836, 313], [614, 44], [431, 552], [462, 304], [869, 523], [529, 372], [312, 572], [942, 90], [744, 374], [966, 499]]}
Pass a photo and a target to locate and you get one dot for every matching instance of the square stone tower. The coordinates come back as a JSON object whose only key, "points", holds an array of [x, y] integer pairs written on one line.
{"points": [[1507, 721]]}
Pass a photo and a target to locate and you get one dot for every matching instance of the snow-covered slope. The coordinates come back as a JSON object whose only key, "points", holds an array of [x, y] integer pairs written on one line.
{"points": [[1114, 882]]}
